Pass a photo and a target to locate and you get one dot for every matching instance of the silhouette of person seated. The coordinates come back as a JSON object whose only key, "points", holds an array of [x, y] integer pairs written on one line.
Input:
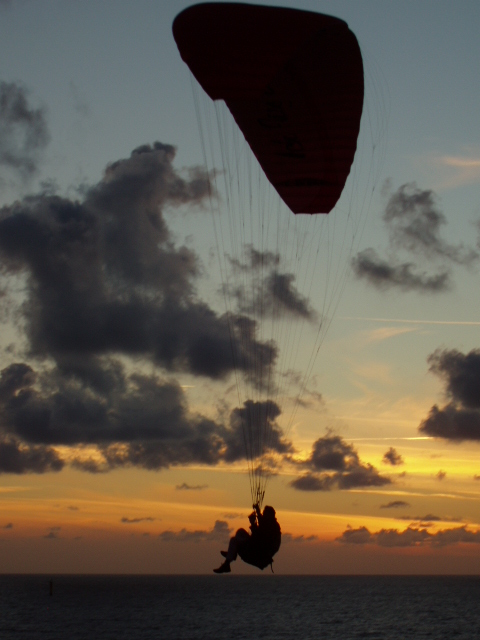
{"points": [[257, 548]]}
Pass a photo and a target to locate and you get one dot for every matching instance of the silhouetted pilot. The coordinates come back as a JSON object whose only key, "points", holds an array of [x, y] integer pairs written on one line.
{"points": [[257, 548]]}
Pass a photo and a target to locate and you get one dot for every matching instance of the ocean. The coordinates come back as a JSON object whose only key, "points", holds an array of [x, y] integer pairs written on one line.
{"points": [[267, 607]]}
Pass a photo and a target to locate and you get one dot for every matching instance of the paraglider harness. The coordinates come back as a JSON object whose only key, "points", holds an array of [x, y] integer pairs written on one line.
{"points": [[264, 541]]}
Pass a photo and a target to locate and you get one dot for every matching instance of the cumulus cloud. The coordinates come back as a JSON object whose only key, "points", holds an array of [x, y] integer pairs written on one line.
{"points": [[410, 537], [54, 407], [452, 422], [104, 276], [18, 457], [392, 457], [127, 420], [335, 464], [254, 426], [459, 419], [23, 130], [219, 533], [461, 373], [105, 282], [413, 221]]}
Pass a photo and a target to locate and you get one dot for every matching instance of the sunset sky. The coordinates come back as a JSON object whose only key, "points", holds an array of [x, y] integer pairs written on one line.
{"points": [[117, 428]]}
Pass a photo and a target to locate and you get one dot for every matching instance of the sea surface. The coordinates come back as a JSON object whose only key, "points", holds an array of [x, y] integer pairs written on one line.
{"points": [[237, 607]]}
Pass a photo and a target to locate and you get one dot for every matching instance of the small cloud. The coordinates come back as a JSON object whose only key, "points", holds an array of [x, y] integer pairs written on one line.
{"points": [[384, 274], [23, 130], [135, 520], [53, 533], [289, 537], [188, 487], [441, 474], [220, 532], [392, 457], [73, 508], [396, 504], [335, 464], [9, 525]]}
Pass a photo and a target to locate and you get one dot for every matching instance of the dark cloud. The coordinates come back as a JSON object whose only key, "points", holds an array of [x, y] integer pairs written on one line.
{"points": [[219, 533], [23, 130], [395, 504], [53, 534], [452, 423], [104, 276], [410, 537], [413, 222], [9, 525], [188, 487], [313, 482], [335, 464], [18, 457], [126, 520], [459, 419], [105, 284], [461, 374], [383, 274], [269, 291], [256, 260], [56, 407], [441, 474], [280, 293], [253, 426], [356, 536], [132, 420], [392, 457]]}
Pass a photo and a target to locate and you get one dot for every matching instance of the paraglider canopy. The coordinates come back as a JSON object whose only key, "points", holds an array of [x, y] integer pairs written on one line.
{"points": [[293, 81]]}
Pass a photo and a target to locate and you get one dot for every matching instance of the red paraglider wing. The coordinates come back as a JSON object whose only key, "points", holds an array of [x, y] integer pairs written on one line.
{"points": [[293, 81]]}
